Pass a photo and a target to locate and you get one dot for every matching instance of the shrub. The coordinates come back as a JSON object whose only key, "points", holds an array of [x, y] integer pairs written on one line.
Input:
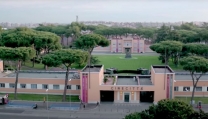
{"points": [[134, 115], [166, 109], [105, 79]]}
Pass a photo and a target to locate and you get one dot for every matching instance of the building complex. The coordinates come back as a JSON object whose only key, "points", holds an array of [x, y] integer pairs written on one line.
{"points": [[97, 86], [131, 43]]}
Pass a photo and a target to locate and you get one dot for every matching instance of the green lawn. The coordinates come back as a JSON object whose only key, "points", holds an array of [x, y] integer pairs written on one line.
{"points": [[36, 66], [187, 99], [137, 61], [117, 61], [40, 97]]}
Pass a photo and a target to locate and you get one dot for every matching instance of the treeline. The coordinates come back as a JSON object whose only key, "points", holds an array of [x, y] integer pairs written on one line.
{"points": [[186, 33], [175, 50]]}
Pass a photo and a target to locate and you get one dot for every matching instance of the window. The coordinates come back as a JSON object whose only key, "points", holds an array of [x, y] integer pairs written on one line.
{"points": [[198, 88], [55, 86], [207, 88], [22, 85], [45, 86], [11, 85], [186, 88], [2, 85], [78, 87], [175, 88], [34, 86], [68, 87]]}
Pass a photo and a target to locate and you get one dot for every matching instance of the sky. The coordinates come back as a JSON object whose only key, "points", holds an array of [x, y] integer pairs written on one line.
{"points": [[65, 11]]}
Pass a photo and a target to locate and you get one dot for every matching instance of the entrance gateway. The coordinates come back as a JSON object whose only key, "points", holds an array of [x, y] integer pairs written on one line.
{"points": [[107, 96], [126, 97]]}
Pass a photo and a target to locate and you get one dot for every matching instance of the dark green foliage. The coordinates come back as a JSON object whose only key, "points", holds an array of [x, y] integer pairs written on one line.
{"points": [[18, 55], [168, 49], [94, 60], [195, 48], [67, 57], [135, 115], [165, 109], [195, 64], [89, 41], [15, 54]]}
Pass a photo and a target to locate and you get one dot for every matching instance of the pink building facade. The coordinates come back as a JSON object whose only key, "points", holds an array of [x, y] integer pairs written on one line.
{"points": [[127, 89], [118, 45], [162, 83]]}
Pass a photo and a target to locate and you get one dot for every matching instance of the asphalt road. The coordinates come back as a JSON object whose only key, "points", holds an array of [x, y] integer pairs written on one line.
{"points": [[2, 116], [25, 117]]}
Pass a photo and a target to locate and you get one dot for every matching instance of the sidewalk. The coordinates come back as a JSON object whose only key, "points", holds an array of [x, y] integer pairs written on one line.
{"points": [[43, 106]]}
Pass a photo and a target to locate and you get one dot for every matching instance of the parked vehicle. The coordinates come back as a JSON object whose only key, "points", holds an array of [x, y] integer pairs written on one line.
{"points": [[4, 99]]}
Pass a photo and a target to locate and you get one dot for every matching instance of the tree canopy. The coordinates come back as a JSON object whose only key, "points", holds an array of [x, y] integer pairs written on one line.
{"points": [[16, 54], [168, 109], [168, 48], [25, 37], [197, 66], [67, 57], [89, 41]]}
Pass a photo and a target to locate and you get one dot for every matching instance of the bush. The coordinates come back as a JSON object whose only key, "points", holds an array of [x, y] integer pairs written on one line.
{"points": [[105, 79], [134, 115], [166, 109], [127, 71]]}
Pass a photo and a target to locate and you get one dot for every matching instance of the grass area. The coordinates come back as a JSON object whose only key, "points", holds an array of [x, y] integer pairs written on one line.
{"points": [[36, 66], [119, 62], [188, 99], [40, 97]]}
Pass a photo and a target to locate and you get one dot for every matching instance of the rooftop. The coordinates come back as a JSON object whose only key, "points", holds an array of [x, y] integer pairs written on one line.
{"points": [[126, 80], [162, 69], [145, 80], [188, 77], [52, 75], [94, 68]]}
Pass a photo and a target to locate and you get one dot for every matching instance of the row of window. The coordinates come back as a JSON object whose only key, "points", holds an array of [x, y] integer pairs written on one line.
{"points": [[34, 86], [188, 89]]}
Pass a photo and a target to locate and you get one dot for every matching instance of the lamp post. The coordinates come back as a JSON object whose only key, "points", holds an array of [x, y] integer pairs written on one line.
{"points": [[47, 102], [70, 96]]}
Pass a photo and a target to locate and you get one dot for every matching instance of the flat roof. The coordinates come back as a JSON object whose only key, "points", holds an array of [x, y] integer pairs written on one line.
{"points": [[188, 77], [162, 69], [92, 68], [52, 75], [126, 80], [145, 80]]}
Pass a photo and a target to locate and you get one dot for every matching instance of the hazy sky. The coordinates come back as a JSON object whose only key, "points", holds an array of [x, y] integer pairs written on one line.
{"points": [[65, 11]]}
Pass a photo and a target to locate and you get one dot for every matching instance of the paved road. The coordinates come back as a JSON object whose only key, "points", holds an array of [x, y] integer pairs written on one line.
{"points": [[149, 53], [105, 111], [39, 117], [25, 117]]}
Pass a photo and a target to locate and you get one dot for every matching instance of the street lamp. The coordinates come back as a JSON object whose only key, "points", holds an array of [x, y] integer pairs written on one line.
{"points": [[47, 102], [70, 96]]}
